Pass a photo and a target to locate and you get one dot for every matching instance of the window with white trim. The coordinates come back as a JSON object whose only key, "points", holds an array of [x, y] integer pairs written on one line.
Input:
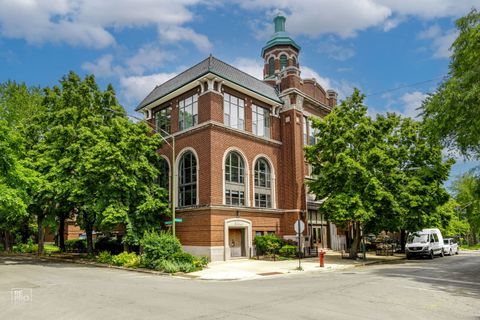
{"points": [[188, 112], [234, 111], [263, 184], [260, 121], [187, 180], [234, 179], [271, 66], [162, 121]]}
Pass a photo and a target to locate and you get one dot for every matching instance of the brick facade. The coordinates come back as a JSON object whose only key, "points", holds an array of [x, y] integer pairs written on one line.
{"points": [[206, 226]]}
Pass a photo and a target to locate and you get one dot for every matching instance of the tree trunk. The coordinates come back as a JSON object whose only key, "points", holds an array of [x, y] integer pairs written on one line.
{"points": [[356, 240], [7, 242], [40, 233], [403, 239], [61, 233], [89, 232]]}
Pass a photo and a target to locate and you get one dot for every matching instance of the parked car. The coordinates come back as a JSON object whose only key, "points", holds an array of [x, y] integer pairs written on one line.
{"points": [[450, 246], [428, 242]]}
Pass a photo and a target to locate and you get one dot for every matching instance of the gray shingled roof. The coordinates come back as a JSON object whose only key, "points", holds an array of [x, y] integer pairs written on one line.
{"points": [[217, 67]]}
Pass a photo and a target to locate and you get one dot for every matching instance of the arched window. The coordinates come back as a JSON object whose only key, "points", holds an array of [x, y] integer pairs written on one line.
{"points": [[163, 179], [234, 179], [187, 180], [283, 61], [271, 66], [263, 184]]}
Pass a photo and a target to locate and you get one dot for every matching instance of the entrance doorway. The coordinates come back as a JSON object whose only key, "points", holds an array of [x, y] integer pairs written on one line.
{"points": [[236, 241]]}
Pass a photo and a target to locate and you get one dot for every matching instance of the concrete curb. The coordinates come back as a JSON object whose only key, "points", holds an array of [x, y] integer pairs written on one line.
{"points": [[94, 264]]}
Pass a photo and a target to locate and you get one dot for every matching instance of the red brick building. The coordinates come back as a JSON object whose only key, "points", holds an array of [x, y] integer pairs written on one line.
{"points": [[240, 168]]}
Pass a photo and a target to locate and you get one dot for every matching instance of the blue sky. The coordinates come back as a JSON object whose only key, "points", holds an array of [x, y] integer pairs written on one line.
{"points": [[375, 45]]}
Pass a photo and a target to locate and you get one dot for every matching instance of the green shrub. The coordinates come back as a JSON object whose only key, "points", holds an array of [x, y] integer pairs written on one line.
{"points": [[104, 257], [167, 266], [76, 245], [200, 263], [127, 260], [159, 246], [28, 247], [288, 251], [268, 244], [182, 257]]}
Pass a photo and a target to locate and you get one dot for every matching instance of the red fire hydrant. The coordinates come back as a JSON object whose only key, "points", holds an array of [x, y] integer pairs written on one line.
{"points": [[321, 255]]}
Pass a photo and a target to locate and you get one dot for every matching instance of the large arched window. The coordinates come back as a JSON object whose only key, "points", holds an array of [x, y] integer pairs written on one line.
{"points": [[234, 179], [263, 184], [164, 177], [271, 66], [283, 61], [187, 180]]}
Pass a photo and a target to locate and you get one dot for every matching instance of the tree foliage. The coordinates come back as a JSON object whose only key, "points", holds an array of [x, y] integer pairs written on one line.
{"points": [[466, 191], [96, 160], [452, 112], [381, 173]]}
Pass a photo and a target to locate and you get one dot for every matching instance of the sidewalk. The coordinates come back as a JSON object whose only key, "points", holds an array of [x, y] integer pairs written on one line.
{"points": [[247, 269]]}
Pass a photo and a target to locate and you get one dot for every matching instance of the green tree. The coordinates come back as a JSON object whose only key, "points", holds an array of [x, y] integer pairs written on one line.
{"points": [[451, 113], [97, 160], [16, 183], [375, 174], [466, 192]]}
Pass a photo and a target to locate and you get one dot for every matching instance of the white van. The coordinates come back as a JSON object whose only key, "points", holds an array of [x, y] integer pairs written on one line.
{"points": [[428, 242]]}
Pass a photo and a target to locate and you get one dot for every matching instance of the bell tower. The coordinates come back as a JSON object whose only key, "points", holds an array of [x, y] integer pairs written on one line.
{"points": [[280, 55]]}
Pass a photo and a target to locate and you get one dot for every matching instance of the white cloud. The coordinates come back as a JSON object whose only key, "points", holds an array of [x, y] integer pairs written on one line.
{"points": [[440, 41], [90, 22], [136, 88], [103, 67], [175, 34], [308, 73], [347, 17], [342, 17], [412, 101], [430, 9], [147, 58], [253, 67]]}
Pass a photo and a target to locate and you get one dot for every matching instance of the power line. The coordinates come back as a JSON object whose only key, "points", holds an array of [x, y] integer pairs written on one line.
{"points": [[405, 86]]}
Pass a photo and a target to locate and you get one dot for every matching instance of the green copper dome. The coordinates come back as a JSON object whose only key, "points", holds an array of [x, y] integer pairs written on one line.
{"points": [[280, 37]]}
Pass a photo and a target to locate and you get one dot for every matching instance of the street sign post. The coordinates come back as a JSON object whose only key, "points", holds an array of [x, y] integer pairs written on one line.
{"points": [[299, 226]]}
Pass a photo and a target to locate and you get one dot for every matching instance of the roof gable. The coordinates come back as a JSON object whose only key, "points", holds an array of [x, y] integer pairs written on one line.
{"points": [[217, 67]]}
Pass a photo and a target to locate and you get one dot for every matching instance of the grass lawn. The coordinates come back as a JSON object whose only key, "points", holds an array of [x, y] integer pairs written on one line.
{"points": [[472, 247]]}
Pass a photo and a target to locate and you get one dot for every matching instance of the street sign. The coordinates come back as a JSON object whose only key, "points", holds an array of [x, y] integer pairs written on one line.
{"points": [[169, 222], [299, 226]]}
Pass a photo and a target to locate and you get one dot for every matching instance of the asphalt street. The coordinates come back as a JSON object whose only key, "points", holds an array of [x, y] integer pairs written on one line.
{"points": [[445, 288]]}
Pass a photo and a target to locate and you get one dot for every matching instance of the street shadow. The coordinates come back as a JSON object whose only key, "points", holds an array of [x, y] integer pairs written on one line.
{"points": [[12, 260], [449, 277]]}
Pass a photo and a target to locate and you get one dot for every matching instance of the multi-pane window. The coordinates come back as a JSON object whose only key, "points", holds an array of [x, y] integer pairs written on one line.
{"points": [[163, 179], [263, 184], [234, 179], [162, 121], [188, 112], [283, 61], [261, 121], [271, 66], [187, 180], [309, 133], [234, 111]]}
